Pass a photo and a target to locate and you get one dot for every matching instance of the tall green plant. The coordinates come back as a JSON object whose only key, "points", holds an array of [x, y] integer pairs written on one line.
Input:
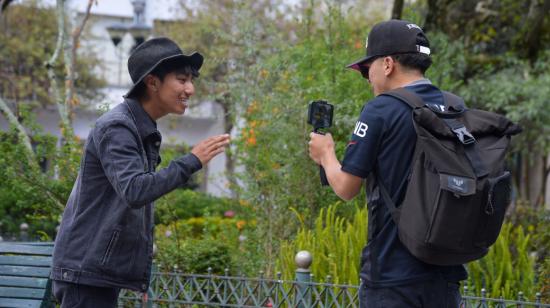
{"points": [[335, 243], [508, 267], [279, 174]]}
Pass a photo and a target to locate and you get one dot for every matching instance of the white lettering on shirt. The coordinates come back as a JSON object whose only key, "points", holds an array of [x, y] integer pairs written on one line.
{"points": [[360, 129]]}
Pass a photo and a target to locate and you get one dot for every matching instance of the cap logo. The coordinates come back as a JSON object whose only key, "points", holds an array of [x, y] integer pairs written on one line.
{"points": [[423, 49], [413, 26]]}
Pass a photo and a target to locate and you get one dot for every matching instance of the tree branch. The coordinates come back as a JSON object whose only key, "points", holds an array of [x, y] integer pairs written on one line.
{"points": [[21, 132], [49, 193], [70, 59], [60, 7]]}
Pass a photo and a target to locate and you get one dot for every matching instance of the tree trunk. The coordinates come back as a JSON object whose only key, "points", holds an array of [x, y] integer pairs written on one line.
{"points": [[228, 123], [531, 33], [397, 9]]}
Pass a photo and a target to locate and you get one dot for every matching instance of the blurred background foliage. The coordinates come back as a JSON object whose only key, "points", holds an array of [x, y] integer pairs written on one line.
{"points": [[266, 60]]}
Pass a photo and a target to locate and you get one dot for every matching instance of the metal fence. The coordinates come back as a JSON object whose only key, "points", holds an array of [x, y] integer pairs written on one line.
{"points": [[190, 290]]}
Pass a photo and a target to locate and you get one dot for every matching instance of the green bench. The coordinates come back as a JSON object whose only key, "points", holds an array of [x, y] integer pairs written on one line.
{"points": [[24, 274]]}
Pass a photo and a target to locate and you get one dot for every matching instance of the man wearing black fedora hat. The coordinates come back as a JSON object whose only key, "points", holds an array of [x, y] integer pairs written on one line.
{"points": [[381, 151], [105, 240]]}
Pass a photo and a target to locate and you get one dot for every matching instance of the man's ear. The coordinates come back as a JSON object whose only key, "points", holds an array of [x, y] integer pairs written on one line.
{"points": [[151, 82], [389, 65]]}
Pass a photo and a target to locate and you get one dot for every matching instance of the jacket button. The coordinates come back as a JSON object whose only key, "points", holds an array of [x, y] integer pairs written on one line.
{"points": [[65, 275], [144, 287], [157, 144]]}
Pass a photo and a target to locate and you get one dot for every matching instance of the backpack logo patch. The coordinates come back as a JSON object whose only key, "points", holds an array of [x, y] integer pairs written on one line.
{"points": [[457, 184], [360, 129]]}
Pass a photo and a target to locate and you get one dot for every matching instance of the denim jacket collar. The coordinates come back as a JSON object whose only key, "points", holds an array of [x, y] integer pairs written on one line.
{"points": [[146, 126]]}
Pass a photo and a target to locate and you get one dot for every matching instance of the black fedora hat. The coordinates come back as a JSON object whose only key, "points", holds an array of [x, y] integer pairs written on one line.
{"points": [[150, 54]]}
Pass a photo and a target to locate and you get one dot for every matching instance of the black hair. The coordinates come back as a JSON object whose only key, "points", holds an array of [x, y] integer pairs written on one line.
{"points": [[163, 69], [416, 61]]}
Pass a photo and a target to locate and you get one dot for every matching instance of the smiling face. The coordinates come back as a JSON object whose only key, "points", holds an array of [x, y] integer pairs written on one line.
{"points": [[173, 92], [168, 91]]}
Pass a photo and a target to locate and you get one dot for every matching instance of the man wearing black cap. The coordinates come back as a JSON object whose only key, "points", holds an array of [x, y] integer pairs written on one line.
{"points": [[381, 148], [105, 240]]}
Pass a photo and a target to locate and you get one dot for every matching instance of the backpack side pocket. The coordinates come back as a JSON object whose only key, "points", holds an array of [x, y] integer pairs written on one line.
{"points": [[492, 213]]}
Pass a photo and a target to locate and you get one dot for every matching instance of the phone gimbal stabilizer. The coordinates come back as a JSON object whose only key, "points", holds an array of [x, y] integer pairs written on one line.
{"points": [[320, 117]]}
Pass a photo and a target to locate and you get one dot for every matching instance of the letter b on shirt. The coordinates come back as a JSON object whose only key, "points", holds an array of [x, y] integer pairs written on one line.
{"points": [[360, 129]]}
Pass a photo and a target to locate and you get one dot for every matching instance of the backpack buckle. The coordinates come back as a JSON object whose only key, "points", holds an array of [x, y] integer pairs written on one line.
{"points": [[464, 135]]}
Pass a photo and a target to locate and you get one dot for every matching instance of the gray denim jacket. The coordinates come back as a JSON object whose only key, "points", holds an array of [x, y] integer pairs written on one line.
{"points": [[106, 233]]}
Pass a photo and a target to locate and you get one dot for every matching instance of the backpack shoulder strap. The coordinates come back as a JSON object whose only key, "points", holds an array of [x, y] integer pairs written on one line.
{"points": [[408, 97], [394, 211], [453, 101]]}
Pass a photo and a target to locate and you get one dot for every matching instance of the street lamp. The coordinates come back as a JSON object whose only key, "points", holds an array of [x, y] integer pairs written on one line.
{"points": [[138, 29]]}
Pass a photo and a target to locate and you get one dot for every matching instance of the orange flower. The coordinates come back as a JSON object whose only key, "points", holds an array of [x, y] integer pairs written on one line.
{"points": [[358, 45], [240, 224], [251, 141]]}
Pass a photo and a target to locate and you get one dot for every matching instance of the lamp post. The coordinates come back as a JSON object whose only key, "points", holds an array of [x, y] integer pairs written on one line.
{"points": [[138, 29]]}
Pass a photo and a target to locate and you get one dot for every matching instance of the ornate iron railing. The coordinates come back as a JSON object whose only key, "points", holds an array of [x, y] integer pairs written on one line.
{"points": [[188, 290]]}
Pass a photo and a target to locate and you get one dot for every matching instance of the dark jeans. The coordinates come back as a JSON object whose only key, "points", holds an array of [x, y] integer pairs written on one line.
{"points": [[428, 294], [79, 295]]}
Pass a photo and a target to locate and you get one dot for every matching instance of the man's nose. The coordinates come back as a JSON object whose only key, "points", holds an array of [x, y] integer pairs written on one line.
{"points": [[189, 89]]}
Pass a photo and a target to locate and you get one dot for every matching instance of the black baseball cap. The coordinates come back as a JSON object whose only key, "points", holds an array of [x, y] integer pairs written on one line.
{"points": [[393, 37]]}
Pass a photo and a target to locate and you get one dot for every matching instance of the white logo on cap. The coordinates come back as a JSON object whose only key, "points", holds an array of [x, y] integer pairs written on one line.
{"points": [[411, 26], [366, 42]]}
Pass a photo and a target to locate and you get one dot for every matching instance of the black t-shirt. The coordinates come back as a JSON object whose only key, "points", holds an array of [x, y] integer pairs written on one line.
{"points": [[383, 141]]}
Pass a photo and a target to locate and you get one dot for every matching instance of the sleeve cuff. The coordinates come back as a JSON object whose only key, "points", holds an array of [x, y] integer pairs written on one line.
{"points": [[355, 171], [192, 162]]}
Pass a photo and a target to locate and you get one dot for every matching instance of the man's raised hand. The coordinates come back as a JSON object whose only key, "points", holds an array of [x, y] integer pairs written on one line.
{"points": [[210, 147]]}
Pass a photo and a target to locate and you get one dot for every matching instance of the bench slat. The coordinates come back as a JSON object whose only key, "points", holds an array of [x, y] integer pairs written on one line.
{"points": [[24, 274], [26, 260], [32, 243], [7, 248], [25, 271], [23, 293], [28, 282], [19, 303]]}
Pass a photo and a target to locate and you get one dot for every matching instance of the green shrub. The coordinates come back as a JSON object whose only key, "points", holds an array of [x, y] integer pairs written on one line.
{"points": [[544, 280], [185, 203], [194, 256], [34, 196], [508, 267], [335, 243]]}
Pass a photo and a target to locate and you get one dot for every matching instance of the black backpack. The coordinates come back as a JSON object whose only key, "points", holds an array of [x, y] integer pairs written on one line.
{"points": [[458, 189]]}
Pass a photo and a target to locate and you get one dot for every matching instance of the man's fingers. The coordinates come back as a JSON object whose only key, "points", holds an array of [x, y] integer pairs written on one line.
{"points": [[214, 139], [220, 142], [215, 153]]}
